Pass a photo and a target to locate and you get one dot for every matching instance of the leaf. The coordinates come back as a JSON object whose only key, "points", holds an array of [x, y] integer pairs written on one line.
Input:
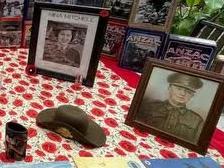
{"points": [[185, 27], [192, 2], [214, 4]]}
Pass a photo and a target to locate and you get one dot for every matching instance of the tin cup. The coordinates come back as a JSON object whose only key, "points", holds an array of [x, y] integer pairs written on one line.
{"points": [[15, 141]]}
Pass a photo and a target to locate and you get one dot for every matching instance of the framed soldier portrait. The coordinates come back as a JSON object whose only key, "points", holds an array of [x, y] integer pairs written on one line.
{"points": [[66, 41], [178, 104], [153, 14]]}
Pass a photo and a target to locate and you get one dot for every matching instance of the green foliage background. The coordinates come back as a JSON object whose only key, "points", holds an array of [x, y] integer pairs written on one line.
{"points": [[190, 12]]}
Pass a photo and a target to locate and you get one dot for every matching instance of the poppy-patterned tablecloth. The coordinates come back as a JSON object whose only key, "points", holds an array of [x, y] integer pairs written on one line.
{"points": [[22, 97]]}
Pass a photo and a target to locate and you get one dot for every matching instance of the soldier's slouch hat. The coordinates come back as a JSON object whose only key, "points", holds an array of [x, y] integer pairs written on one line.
{"points": [[186, 81]]}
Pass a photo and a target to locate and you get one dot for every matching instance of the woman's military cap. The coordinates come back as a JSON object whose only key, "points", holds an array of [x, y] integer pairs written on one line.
{"points": [[190, 82]]}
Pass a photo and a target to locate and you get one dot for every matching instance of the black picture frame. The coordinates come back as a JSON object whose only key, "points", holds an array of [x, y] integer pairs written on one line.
{"points": [[188, 120], [86, 25]]}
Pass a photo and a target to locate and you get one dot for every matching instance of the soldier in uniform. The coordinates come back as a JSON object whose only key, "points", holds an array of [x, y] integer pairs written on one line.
{"points": [[60, 49], [172, 116]]}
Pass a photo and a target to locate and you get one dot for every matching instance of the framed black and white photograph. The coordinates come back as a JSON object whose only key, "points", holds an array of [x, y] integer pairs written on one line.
{"points": [[11, 8], [66, 43], [10, 32], [192, 52], [153, 14], [119, 8], [140, 44], [177, 103]]}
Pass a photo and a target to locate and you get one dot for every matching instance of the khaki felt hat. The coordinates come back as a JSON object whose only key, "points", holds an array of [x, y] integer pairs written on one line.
{"points": [[73, 123]]}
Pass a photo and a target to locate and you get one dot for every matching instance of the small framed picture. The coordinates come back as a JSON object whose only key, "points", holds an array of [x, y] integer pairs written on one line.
{"points": [[11, 8], [10, 32], [120, 9], [153, 14], [114, 38], [179, 104], [140, 44], [27, 27], [189, 51], [66, 41]]}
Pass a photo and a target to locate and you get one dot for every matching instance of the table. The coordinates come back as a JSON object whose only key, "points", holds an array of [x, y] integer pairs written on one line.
{"points": [[22, 97]]}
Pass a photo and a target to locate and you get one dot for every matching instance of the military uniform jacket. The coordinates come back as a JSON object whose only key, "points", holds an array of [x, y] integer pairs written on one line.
{"points": [[178, 121]]}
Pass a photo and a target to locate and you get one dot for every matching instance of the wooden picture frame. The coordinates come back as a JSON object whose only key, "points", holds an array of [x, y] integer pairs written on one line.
{"points": [[161, 22], [114, 38], [10, 32], [119, 9], [196, 98], [66, 41]]}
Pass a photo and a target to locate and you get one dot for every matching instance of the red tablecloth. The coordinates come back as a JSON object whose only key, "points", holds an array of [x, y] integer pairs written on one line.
{"points": [[23, 97]]}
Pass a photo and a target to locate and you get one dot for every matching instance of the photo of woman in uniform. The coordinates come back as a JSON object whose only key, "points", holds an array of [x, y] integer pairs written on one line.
{"points": [[64, 43]]}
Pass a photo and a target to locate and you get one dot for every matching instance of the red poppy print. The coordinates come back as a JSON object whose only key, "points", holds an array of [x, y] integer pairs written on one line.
{"points": [[143, 157], [67, 146], [7, 80], [4, 158], [32, 132], [39, 153], [61, 158], [19, 89], [12, 64], [36, 105], [32, 113], [10, 70], [17, 102], [85, 153], [128, 135], [114, 77], [104, 92], [100, 75], [46, 94], [99, 104], [111, 122], [164, 142], [125, 107], [112, 111], [24, 118], [3, 100], [103, 84], [167, 154], [2, 113], [34, 81], [54, 137], [120, 152], [110, 102], [144, 145], [23, 63], [12, 112], [140, 133], [106, 131], [97, 112], [128, 146], [28, 158], [49, 147], [62, 99], [192, 155], [2, 54], [16, 75], [87, 95], [28, 96], [76, 87], [48, 103], [22, 82], [79, 101], [122, 97], [47, 87]]}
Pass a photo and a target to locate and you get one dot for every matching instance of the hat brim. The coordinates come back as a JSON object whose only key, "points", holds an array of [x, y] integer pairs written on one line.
{"points": [[94, 135]]}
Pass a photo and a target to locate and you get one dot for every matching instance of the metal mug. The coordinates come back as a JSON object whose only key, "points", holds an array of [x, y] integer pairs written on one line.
{"points": [[15, 141]]}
